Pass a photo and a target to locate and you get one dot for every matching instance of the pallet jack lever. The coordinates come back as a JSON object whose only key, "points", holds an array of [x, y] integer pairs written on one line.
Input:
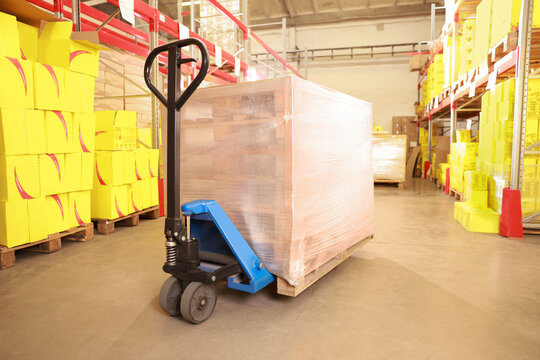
{"points": [[208, 247]]}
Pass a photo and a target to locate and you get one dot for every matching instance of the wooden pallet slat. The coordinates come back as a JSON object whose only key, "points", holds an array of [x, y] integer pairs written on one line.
{"points": [[107, 226], [48, 245], [398, 184], [284, 288]]}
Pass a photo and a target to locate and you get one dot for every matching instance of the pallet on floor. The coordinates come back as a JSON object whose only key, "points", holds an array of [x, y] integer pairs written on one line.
{"points": [[51, 244], [399, 184], [106, 226], [459, 196], [284, 288]]}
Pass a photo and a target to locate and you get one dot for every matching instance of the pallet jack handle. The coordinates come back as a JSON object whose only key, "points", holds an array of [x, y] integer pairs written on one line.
{"points": [[174, 229]]}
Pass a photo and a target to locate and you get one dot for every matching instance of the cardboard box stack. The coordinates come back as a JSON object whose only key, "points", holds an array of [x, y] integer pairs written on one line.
{"points": [[495, 146], [467, 46], [125, 177], [474, 213], [46, 129]]}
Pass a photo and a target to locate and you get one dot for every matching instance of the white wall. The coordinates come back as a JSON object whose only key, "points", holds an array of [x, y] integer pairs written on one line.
{"points": [[386, 82]]}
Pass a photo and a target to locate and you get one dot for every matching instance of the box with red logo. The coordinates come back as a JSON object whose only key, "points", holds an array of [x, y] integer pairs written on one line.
{"points": [[52, 173], [17, 88], [21, 177], [56, 207], [79, 212], [110, 202], [58, 131], [49, 87], [14, 223], [83, 130]]}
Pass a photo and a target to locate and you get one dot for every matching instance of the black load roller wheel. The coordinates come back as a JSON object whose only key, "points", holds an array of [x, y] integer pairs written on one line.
{"points": [[198, 302], [169, 296]]}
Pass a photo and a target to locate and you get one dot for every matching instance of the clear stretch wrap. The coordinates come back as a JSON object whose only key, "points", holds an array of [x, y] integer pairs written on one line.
{"points": [[389, 158], [289, 161]]}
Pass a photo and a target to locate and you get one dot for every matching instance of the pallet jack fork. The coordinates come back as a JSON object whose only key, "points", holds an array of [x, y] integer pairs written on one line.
{"points": [[205, 246]]}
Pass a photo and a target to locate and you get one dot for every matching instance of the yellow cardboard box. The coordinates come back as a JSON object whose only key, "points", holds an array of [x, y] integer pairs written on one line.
{"points": [[480, 220], [9, 36], [49, 87], [56, 207], [58, 131], [154, 191], [74, 91], [110, 202], [153, 162], [142, 163], [35, 122], [131, 173], [116, 130], [28, 38], [136, 191], [52, 170], [146, 194], [87, 171], [36, 219], [14, 223], [87, 100], [84, 127], [21, 180], [110, 168], [17, 88], [79, 208], [73, 175], [59, 46], [13, 131]]}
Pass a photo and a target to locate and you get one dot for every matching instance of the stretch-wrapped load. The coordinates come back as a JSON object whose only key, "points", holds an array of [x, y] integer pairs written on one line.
{"points": [[289, 161], [389, 158]]}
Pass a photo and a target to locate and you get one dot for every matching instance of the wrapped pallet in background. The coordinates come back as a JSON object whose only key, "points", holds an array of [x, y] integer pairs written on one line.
{"points": [[289, 161], [389, 158]]}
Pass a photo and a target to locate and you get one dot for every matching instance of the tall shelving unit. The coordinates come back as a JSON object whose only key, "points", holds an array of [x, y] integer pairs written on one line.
{"points": [[511, 57]]}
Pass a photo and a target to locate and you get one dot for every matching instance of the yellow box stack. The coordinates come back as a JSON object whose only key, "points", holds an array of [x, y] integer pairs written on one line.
{"points": [[125, 177], [46, 129], [496, 138], [474, 213], [462, 158], [442, 172], [467, 46]]}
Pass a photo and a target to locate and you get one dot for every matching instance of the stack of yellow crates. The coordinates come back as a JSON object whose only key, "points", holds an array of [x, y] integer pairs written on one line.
{"points": [[125, 177], [462, 158], [441, 172], [47, 129], [467, 46], [474, 213], [496, 139]]}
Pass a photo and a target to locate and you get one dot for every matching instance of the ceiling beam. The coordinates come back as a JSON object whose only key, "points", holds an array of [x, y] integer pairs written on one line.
{"points": [[289, 6], [351, 15]]}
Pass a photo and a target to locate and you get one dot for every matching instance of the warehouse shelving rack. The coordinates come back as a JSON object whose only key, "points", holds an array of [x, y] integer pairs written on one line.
{"points": [[460, 101]]}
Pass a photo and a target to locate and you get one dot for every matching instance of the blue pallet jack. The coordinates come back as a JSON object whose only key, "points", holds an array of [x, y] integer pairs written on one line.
{"points": [[202, 244]]}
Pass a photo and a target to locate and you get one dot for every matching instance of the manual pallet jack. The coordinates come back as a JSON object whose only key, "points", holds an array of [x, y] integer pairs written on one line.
{"points": [[206, 247]]}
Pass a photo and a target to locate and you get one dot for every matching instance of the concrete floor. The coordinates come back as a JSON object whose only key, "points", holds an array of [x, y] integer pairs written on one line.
{"points": [[424, 288]]}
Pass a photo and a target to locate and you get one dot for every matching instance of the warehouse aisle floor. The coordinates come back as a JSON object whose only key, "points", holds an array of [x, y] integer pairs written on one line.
{"points": [[424, 288]]}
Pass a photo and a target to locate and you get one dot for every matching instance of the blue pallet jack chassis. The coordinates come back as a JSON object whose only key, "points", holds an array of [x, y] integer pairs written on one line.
{"points": [[202, 244]]}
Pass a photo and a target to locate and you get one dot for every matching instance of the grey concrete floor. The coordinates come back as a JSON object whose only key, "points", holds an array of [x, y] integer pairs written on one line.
{"points": [[424, 288]]}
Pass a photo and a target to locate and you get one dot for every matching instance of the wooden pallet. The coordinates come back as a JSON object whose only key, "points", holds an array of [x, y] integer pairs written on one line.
{"points": [[459, 196], [503, 47], [398, 184], [51, 244], [284, 288], [106, 226]]}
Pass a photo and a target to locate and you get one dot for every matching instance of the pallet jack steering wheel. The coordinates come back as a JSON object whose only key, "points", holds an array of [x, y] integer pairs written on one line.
{"points": [[195, 300]]}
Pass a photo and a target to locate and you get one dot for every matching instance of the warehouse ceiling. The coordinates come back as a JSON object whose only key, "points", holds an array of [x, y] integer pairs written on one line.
{"points": [[304, 12], [309, 12]]}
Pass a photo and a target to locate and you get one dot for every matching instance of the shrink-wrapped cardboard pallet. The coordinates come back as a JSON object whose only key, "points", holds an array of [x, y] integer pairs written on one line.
{"points": [[389, 158], [289, 161]]}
